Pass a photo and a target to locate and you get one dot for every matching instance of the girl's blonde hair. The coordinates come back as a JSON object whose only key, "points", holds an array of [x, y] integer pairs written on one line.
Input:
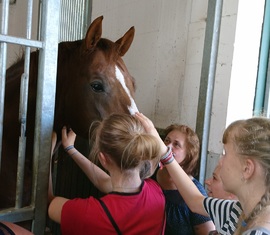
{"points": [[124, 139], [251, 139]]}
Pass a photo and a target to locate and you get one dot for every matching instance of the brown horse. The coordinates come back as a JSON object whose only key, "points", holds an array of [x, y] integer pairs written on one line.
{"points": [[92, 82]]}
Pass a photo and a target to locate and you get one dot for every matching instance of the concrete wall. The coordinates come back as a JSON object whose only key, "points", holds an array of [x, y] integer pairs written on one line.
{"points": [[166, 55], [166, 58]]}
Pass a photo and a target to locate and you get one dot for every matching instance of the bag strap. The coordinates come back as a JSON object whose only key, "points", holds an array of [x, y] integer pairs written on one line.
{"points": [[164, 223], [105, 208]]}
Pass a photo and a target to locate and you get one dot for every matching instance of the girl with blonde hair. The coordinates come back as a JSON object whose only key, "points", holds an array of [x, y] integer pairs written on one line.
{"points": [[245, 172], [132, 204]]}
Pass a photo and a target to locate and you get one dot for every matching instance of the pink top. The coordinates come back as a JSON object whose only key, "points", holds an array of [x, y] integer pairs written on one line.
{"points": [[134, 213]]}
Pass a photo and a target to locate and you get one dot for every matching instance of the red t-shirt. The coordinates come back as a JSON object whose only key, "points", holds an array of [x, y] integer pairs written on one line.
{"points": [[134, 213]]}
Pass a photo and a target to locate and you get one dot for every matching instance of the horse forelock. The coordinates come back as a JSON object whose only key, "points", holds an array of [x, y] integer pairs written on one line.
{"points": [[109, 49], [106, 44]]}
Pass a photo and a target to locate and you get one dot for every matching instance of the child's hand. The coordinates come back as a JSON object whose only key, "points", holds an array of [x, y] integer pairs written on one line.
{"points": [[68, 137], [148, 124], [150, 129]]}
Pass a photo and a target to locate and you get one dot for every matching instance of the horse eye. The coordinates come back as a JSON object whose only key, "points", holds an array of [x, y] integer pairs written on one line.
{"points": [[97, 87]]}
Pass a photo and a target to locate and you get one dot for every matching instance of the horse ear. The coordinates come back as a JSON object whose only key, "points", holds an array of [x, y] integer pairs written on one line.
{"points": [[125, 41], [94, 33]]}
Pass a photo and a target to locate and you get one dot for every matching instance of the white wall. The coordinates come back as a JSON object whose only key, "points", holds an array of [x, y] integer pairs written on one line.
{"points": [[245, 59], [166, 57], [157, 57]]}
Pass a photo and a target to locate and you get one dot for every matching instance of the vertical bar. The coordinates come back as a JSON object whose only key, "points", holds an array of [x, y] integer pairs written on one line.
{"points": [[45, 110], [214, 14], [263, 65], [87, 15], [23, 110], [3, 65], [74, 19]]}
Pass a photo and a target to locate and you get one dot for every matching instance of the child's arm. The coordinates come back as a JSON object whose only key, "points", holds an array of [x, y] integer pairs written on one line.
{"points": [[98, 177], [184, 184]]}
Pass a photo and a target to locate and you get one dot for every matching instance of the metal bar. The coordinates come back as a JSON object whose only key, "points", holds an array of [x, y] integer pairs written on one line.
{"points": [[214, 15], [20, 41], [20, 172], [48, 46], [10, 1], [45, 111], [4, 25], [23, 110], [15, 215], [87, 16], [3, 65], [260, 104], [78, 11], [268, 89]]}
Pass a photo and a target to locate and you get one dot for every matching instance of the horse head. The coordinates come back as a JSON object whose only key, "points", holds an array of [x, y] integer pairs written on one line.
{"points": [[92, 80]]}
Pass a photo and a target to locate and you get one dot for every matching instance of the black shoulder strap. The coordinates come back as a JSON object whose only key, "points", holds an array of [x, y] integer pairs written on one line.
{"points": [[105, 208], [164, 223]]}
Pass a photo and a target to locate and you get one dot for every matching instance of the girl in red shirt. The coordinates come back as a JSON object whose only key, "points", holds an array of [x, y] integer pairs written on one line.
{"points": [[132, 204]]}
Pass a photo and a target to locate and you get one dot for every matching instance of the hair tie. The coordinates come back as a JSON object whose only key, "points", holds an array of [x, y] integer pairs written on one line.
{"points": [[69, 147]]}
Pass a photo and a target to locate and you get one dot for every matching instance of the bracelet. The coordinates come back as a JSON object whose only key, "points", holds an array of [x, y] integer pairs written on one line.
{"points": [[69, 147], [168, 157]]}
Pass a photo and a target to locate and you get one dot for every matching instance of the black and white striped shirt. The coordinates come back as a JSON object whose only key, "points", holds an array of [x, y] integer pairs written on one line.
{"points": [[225, 215]]}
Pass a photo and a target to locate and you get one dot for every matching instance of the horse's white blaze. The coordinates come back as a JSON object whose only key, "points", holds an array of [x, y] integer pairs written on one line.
{"points": [[133, 108]]}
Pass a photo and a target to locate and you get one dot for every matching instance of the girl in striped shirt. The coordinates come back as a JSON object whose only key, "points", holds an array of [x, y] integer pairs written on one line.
{"points": [[245, 172]]}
